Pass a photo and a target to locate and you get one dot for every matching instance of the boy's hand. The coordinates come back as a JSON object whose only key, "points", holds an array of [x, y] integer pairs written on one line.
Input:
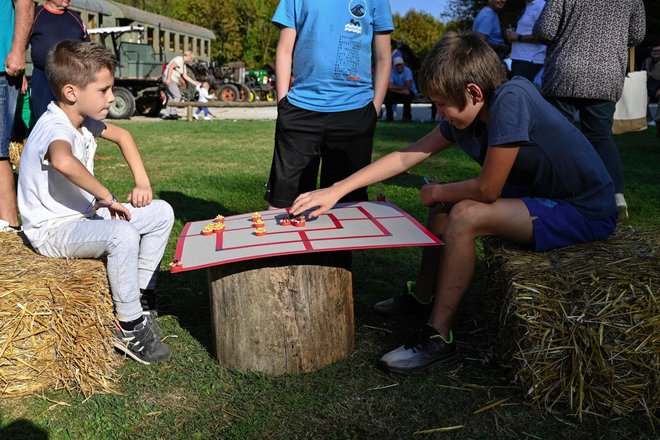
{"points": [[428, 198], [140, 196], [322, 199], [117, 210]]}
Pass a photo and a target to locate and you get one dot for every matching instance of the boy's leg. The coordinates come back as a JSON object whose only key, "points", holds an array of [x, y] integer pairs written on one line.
{"points": [[506, 218], [434, 343], [9, 88], [153, 223], [206, 111], [389, 113], [117, 239], [296, 158], [347, 145]]}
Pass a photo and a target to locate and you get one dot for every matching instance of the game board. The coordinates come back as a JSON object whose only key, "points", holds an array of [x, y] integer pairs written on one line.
{"points": [[347, 226]]}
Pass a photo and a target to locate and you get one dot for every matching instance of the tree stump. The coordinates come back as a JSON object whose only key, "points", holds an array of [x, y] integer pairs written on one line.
{"points": [[283, 315]]}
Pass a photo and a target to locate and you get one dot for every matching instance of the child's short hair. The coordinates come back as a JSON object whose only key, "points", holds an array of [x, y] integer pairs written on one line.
{"points": [[76, 63], [457, 60]]}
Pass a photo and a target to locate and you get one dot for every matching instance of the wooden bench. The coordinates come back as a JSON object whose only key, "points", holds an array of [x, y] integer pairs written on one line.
{"points": [[188, 105]]}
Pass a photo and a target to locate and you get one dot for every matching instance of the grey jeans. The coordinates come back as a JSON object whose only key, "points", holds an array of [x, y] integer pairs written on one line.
{"points": [[134, 249]]}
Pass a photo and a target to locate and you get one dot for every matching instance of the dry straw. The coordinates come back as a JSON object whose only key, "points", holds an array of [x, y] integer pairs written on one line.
{"points": [[55, 317], [580, 325]]}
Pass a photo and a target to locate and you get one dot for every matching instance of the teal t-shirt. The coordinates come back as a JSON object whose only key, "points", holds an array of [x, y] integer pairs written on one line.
{"points": [[7, 34], [332, 54]]}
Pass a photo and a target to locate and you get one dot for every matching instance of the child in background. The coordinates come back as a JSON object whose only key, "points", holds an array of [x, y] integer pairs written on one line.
{"points": [[541, 184], [204, 96], [68, 213]]}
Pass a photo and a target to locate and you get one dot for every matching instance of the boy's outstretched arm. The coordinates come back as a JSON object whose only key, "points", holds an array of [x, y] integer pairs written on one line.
{"points": [[487, 187], [383, 66], [62, 159], [141, 195], [386, 167]]}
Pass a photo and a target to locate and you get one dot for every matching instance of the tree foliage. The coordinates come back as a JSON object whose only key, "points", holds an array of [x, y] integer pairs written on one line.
{"points": [[418, 30]]}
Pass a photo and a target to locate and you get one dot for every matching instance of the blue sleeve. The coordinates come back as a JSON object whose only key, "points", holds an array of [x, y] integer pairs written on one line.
{"points": [[483, 23], [285, 14], [382, 16], [445, 130], [510, 118], [407, 74]]}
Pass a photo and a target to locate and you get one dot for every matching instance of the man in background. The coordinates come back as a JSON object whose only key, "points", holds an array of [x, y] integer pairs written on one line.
{"points": [[487, 25]]}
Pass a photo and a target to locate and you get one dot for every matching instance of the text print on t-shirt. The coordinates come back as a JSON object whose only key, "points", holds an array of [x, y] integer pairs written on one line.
{"points": [[346, 66]]}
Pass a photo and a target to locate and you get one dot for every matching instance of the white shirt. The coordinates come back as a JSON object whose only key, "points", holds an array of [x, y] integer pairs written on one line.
{"points": [[203, 94], [46, 198], [532, 52], [179, 69]]}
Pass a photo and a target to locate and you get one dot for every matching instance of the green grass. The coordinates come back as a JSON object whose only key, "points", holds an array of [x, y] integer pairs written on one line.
{"points": [[221, 167]]}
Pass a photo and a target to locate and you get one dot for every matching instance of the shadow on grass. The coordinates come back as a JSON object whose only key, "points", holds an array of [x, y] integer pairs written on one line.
{"points": [[23, 429]]}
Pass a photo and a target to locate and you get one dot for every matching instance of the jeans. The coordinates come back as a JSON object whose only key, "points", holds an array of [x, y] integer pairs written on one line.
{"points": [[596, 124], [9, 88], [133, 249], [202, 109]]}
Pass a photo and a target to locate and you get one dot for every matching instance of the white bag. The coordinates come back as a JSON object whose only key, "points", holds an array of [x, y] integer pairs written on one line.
{"points": [[630, 113]]}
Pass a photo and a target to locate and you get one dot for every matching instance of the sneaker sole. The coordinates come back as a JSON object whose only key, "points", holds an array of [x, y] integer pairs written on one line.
{"points": [[435, 364]]}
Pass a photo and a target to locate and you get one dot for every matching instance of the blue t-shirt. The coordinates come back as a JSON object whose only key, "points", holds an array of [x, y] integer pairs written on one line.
{"points": [[7, 34], [50, 28], [488, 23], [399, 79], [332, 56], [555, 160]]}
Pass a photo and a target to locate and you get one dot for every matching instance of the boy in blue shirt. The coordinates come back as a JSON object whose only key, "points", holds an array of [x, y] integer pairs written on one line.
{"points": [[541, 184], [328, 118]]}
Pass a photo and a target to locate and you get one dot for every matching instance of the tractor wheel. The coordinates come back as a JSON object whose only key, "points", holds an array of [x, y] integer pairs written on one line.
{"points": [[124, 105], [243, 93], [271, 95], [229, 93]]}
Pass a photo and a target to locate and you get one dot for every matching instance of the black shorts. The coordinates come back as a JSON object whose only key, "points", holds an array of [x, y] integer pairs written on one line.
{"points": [[340, 143]]}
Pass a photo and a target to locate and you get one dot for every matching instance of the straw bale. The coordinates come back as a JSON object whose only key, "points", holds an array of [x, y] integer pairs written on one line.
{"points": [[579, 325], [55, 317], [15, 149]]}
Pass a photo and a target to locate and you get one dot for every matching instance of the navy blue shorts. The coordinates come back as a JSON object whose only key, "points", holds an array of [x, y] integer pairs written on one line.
{"points": [[558, 224]]}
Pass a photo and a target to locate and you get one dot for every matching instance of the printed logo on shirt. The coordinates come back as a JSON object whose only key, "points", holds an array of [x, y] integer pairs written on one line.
{"points": [[353, 26], [358, 8]]}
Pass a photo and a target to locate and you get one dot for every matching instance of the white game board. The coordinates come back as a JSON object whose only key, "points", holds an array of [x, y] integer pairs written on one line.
{"points": [[347, 226]]}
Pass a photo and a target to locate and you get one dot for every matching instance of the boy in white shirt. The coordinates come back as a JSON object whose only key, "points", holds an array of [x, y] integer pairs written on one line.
{"points": [[204, 96], [68, 213]]}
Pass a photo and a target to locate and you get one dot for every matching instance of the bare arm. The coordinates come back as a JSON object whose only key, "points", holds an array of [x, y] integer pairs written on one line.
{"points": [[62, 159], [284, 60], [141, 195], [383, 59], [15, 61], [386, 167], [487, 187]]}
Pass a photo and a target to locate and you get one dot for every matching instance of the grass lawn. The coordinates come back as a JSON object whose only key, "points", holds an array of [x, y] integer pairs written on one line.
{"points": [[203, 169]]}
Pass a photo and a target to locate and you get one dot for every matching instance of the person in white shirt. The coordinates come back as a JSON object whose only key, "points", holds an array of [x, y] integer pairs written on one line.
{"points": [[68, 213], [527, 54], [204, 96], [174, 73]]}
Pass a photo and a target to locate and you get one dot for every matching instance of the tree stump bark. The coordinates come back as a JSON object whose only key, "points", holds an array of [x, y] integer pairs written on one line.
{"points": [[283, 315]]}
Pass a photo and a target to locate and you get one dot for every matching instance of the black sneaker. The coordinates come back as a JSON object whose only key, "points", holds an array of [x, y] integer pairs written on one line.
{"points": [[424, 349], [407, 302], [142, 343]]}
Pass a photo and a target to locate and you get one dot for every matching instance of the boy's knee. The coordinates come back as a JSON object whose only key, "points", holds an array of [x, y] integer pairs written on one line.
{"points": [[463, 217], [164, 211], [125, 236]]}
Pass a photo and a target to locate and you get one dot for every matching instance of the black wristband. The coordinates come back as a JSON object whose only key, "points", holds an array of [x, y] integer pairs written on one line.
{"points": [[520, 38]]}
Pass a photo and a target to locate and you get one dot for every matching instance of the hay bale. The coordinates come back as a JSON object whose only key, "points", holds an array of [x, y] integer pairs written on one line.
{"points": [[55, 317], [580, 325]]}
